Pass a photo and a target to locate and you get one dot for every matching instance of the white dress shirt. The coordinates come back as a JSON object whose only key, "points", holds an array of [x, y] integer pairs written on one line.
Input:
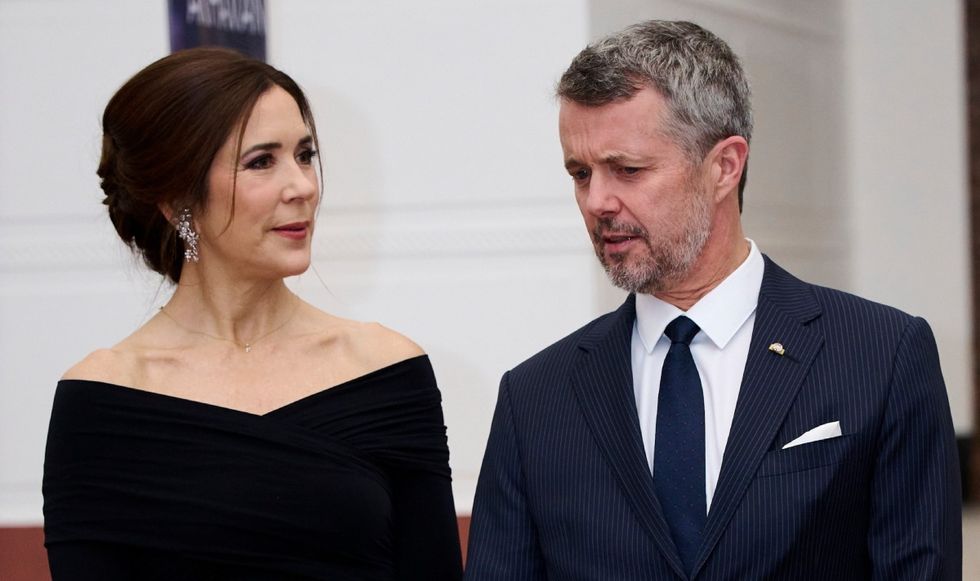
{"points": [[726, 316]]}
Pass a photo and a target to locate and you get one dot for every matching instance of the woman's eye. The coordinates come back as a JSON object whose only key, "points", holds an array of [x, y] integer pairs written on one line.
{"points": [[306, 157], [260, 162]]}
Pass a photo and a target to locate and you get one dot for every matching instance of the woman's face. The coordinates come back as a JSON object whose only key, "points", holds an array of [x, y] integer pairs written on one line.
{"points": [[275, 196]]}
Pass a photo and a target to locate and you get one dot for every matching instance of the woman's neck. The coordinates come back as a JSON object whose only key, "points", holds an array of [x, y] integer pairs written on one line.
{"points": [[240, 311]]}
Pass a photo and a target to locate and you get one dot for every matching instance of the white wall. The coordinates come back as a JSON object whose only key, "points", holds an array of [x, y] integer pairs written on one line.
{"points": [[65, 286], [858, 173], [792, 50], [448, 215], [907, 172]]}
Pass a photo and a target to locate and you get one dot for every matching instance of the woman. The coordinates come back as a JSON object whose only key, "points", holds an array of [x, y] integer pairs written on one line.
{"points": [[240, 433]]}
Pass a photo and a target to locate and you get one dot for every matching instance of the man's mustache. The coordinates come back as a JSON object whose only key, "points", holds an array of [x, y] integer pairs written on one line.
{"points": [[607, 227]]}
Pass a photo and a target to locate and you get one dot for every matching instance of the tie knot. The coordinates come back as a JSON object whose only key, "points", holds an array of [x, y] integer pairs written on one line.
{"points": [[681, 330]]}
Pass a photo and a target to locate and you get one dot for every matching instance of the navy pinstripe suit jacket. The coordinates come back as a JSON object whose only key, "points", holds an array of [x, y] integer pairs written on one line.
{"points": [[565, 492]]}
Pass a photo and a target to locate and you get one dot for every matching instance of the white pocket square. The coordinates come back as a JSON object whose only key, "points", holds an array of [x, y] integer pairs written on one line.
{"points": [[822, 432]]}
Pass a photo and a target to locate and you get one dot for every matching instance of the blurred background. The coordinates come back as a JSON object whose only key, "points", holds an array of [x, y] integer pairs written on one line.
{"points": [[447, 213]]}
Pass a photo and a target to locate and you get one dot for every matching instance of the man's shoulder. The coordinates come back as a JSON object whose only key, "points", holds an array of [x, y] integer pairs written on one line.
{"points": [[563, 353], [789, 291], [843, 303]]}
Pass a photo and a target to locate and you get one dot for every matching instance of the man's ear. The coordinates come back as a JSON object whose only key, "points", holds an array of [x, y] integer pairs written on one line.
{"points": [[727, 160]]}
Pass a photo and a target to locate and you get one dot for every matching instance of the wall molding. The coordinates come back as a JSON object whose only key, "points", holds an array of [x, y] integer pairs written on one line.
{"points": [[84, 242], [56, 244]]}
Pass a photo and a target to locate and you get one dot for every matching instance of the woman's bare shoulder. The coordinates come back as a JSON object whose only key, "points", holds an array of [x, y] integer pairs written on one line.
{"points": [[387, 343], [112, 365], [119, 364], [372, 344]]}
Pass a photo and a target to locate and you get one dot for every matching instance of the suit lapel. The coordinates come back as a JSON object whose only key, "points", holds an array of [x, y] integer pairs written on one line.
{"points": [[769, 387], [603, 384]]}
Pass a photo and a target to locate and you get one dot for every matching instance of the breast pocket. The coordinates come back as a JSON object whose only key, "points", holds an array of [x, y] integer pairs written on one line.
{"points": [[804, 456]]}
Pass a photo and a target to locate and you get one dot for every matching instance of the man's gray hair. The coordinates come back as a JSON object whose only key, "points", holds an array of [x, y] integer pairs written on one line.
{"points": [[700, 77]]}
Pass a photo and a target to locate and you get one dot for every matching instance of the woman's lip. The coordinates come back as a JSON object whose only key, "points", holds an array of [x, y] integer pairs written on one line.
{"points": [[292, 226], [297, 231]]}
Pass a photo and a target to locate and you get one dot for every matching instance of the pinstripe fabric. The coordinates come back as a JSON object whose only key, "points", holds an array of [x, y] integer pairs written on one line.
{"points": [[565, 492]]}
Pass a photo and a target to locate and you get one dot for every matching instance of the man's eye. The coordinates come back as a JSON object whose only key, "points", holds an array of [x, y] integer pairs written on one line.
{"points": [[260, 162], [580, 175], [630, 170]]}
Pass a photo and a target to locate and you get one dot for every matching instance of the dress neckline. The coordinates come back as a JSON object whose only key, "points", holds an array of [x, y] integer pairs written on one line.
{"points": [[316, 395]]}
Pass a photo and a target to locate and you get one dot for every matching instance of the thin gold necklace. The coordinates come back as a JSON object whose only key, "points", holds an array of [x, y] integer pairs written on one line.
{"points": [[247, 346]]}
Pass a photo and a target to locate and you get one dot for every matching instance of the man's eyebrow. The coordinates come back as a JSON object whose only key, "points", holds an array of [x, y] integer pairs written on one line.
{"points": [[612, 158], [621, 159]]}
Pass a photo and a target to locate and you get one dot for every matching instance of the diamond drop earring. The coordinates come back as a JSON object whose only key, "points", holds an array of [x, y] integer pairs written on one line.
{"points": [[185, 231]]}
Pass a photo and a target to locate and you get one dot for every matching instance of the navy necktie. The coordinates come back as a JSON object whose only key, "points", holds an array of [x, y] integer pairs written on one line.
{"points": [[678, 456]]}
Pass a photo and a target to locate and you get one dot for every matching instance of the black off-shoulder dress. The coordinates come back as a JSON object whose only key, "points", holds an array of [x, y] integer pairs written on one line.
{"points": [[349, 483]]}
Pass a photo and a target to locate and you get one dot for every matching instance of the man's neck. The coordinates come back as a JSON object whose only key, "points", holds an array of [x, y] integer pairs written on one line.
{"points": [[713, 266]]}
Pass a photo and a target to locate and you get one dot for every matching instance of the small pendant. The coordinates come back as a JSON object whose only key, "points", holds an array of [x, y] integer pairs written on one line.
{"points": [[248, 348]]}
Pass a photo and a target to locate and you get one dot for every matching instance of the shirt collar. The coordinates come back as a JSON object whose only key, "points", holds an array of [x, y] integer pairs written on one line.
{"points": [[720, 313]]}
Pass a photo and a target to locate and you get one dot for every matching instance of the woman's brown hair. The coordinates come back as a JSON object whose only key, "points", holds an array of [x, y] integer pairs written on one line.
{"points": [[161, 131]]}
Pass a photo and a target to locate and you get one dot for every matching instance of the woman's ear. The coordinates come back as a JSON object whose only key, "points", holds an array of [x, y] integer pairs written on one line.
{"points": [[167, 212]]}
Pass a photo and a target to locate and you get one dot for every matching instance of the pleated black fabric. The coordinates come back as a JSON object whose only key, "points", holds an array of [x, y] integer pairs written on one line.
{"points": [[349, 483]]}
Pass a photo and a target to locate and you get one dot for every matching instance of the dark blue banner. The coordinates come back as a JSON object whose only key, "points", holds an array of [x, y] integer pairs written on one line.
{"points": [[237, 24]]}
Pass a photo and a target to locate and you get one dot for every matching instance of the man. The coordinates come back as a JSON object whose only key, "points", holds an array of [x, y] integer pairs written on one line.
{"points": [[728, 421]]}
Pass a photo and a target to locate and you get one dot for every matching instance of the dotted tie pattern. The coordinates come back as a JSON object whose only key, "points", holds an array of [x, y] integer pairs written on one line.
{"points": [[678, 457]]}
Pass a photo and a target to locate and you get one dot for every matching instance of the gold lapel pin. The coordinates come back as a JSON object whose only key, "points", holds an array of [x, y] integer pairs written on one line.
{"points": [[777, 348]]}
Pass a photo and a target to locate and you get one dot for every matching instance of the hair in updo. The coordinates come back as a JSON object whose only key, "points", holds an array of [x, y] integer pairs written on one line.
{"points": [[162, 130]]}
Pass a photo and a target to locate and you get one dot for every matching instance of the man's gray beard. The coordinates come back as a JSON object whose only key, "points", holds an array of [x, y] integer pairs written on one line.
{"points": [[667, 264]]}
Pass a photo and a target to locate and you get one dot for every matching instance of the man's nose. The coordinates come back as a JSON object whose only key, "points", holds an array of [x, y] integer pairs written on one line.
{"points": [[601, 199]]}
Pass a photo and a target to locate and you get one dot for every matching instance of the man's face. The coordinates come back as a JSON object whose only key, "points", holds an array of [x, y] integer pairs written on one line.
{"points": [[648, 209]]}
